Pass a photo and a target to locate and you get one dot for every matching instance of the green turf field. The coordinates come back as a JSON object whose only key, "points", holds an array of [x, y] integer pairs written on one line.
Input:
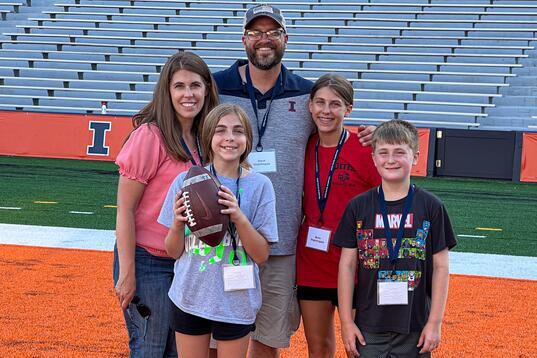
{"points": [[75, 185], [88, 186]]}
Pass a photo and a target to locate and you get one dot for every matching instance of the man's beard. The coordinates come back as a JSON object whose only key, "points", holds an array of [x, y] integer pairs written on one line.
{"points": [[265, 63]]}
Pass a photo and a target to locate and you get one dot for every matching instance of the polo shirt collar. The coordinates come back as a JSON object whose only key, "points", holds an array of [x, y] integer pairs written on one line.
{"points": [[234, 81]]}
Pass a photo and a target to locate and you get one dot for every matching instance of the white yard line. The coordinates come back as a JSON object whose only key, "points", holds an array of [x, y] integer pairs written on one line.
{"points": [[473, 236], [62, 237], [464, 263]]}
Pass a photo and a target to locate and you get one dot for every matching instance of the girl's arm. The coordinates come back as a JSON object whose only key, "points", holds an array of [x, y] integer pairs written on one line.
{"points": [[253, 242], [430, 335], [129, 193], [345, 290], [175, 239]]}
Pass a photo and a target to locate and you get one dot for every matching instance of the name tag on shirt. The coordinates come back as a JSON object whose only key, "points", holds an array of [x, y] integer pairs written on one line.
{"points": [[318, 238], [238, 277], [392, 293], [263, 162]]}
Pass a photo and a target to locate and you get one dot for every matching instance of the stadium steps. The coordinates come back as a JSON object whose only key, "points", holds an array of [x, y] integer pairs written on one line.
{"points": [[519, 101], [430, 98]]}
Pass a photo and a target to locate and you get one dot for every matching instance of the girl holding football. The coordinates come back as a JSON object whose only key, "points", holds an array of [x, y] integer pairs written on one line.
{"points": [[337, 168], [216, 290], [164, 142]]}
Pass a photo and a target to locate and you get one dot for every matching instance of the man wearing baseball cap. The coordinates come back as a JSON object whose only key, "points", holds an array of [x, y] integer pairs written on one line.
{"points": [[276, 103]]}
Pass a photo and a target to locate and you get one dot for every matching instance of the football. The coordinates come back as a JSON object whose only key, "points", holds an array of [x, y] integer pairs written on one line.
{"points": [[205, 221]]}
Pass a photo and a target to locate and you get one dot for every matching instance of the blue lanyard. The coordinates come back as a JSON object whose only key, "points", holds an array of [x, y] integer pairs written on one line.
{"points": [[322, 199], [232, 229], [187, 150], [394, 252], [251, 93]]}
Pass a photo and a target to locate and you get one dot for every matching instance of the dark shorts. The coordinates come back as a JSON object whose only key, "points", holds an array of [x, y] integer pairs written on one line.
{"points": [[186, 323], [390, 344], [308, 293]]}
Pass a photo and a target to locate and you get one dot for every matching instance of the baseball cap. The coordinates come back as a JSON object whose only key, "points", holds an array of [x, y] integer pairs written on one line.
{"points": [[264, 10]]}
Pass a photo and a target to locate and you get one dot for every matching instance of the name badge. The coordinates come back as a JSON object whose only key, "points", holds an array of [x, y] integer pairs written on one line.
{"points": [[263, 162], [318, 238], [238, 277], [392, 293]]}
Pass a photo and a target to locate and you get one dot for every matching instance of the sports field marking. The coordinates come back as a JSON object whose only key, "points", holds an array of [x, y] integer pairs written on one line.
{"points": [[488, 229], [473, 236], [59, 237], [110, 206], [9, 208], [45, 202], [519, 267], [82, 212]]}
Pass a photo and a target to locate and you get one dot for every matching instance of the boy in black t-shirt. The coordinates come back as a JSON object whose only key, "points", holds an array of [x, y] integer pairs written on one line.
{"points": [[402, 234]]}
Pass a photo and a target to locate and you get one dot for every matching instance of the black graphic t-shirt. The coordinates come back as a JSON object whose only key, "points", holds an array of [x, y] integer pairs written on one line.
{"points": [[427, 231]]}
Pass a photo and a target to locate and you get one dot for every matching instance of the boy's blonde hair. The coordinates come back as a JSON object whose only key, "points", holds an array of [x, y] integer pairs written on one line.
{"points": [[209, 127], [396, 131]]}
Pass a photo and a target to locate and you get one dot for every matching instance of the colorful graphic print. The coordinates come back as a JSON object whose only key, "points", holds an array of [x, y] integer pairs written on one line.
{"points": [[194, 246], [371, 250], [412, 277]]}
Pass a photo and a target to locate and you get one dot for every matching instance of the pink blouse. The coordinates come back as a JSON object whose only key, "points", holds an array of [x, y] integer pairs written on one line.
{"points": [[144, 158]]}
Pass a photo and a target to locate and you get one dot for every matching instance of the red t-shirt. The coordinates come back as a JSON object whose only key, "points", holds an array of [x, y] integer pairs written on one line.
{"points": [[354, 174]]}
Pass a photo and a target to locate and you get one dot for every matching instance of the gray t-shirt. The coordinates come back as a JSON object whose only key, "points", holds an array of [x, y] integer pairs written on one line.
{"points": [[288, 129], [198, 286]]}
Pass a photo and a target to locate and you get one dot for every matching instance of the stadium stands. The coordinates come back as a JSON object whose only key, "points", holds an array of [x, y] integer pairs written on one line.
{"points": [[457, 63]]}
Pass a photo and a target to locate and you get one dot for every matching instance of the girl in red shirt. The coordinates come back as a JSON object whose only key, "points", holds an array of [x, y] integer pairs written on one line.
{"points": [[337, 169]]}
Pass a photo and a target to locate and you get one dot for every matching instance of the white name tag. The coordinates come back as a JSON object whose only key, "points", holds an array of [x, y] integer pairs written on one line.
{"points": [[263, 162], [392, 293], [238, 277], [318, 238]]}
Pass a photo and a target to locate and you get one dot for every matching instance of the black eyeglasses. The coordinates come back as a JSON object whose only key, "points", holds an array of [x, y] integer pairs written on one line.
{"points": [[254, 35], [142, 309]]}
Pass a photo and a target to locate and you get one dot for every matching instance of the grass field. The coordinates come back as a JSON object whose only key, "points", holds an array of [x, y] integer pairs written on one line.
{"points": [[61, 186]]}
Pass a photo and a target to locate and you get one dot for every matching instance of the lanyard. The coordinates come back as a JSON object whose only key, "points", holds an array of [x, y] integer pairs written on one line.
{"points": [[232, 229], [187, 150], [394, 252], [251, 93], [323, 198]]}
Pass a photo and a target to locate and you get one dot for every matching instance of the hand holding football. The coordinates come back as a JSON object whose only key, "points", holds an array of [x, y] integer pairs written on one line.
{"points": [[202, 209]]}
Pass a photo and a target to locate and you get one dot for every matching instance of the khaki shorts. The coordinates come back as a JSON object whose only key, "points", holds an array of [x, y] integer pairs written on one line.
{"points": [[279, 316]]}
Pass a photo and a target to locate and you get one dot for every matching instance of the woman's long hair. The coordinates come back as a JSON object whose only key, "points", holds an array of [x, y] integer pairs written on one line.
{"points": [[160, 110]]}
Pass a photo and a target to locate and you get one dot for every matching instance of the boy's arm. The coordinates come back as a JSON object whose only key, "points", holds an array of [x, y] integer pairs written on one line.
{"points": [[430, 335], [345, 291]]}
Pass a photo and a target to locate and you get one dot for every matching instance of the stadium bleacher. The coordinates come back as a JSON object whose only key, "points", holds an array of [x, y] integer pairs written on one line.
{"points": [[458, 63]]}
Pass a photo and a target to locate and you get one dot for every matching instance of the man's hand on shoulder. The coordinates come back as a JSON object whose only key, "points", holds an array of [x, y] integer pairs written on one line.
{"points": [[365, 134]]}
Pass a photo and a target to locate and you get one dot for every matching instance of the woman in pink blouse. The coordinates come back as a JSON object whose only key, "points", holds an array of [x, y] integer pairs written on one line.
{"points": [[163, 143]]}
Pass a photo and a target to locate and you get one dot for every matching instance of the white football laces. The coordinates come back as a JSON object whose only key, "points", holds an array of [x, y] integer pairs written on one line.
{"points": [[188, 209]]}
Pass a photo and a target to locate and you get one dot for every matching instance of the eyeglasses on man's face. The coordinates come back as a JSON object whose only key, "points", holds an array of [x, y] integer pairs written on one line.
{"points": [[254, 35]]}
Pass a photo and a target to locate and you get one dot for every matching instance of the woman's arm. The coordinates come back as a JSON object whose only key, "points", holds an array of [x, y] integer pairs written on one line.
{"points": [[253, 242], [129, 193]]}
